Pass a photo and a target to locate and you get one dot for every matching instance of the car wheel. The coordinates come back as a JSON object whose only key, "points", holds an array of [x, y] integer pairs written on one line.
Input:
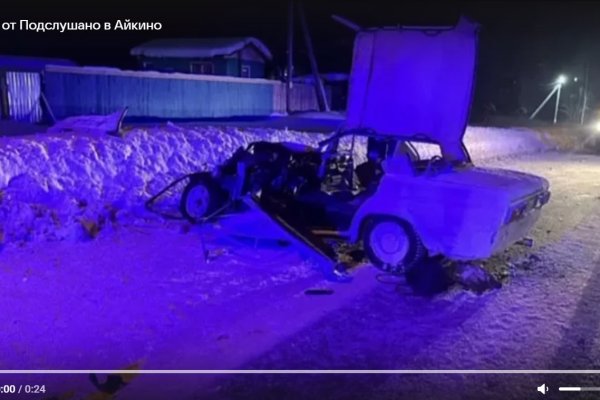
{"points": [[392, 245], [201, 198]]}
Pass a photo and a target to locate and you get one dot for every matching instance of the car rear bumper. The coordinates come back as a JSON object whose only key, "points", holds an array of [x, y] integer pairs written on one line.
{"points": [[515, 231], [517, 228]]}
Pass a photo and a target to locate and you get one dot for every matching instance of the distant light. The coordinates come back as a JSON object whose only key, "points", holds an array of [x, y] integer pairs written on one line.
{"points": [[596, 126], [561, 80], [575, 79]]}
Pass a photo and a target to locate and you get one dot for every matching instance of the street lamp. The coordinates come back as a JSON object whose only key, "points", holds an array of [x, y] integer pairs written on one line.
{"points": [[560, 81]]}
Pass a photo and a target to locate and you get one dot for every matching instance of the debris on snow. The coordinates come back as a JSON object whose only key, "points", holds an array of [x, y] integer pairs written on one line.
{"points": [[92, 124], [526, 263], [474, 277], [92, 228]]}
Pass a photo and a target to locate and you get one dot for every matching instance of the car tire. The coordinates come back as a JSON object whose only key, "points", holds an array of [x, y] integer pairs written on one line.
{"points": [[392, 245], [201, 197]]}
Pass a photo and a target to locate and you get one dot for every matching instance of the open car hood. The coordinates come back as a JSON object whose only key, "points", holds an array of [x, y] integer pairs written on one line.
{"points": [[414, 81]]}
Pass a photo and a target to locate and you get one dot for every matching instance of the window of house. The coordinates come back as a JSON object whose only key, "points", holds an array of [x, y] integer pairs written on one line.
{"points": [[202, 67], [246, 71]]}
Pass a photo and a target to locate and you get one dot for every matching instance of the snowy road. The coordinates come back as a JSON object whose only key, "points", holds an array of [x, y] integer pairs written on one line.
{"points": [[144, 296]]}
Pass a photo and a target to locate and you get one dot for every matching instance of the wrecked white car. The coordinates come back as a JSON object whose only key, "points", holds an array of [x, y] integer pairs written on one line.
{"points": [[396, 177]]}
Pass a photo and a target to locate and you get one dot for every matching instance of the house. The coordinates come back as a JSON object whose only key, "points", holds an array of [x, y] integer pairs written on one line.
{"points": [[242, 57]]}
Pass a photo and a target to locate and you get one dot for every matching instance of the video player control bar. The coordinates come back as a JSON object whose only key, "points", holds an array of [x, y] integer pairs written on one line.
{"points": [[579, 389]]}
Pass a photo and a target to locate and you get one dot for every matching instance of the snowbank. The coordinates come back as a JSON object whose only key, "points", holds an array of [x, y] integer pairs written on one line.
{"points": [[66, 185], [489, 143], [52, 184]]}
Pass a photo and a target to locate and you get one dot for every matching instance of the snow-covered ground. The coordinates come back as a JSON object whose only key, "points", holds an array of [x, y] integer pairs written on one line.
{"points": [[64, 186], [143, 296]]}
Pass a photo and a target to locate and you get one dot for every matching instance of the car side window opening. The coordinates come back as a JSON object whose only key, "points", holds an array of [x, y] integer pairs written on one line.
{"points": [[356, 162], [370, 171], [431, 159], [338, 164], [427, 151]]}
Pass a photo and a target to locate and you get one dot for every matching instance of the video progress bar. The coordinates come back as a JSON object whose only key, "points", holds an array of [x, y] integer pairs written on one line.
{"points": [[579, 389]]}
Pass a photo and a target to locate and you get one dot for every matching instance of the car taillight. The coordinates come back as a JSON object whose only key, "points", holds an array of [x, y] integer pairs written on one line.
{"points": [[517, 212], [544, 198], [520, 209]]}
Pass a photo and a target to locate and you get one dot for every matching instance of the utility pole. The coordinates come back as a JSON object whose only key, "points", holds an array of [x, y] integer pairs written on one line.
{"points": [[347, 23], [290, 58], [585, 92], [322, 96], [557, 101], [4, 107], [537, 110], [557, 86]]}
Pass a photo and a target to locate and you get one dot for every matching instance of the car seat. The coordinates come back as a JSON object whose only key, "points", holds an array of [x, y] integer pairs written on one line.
{"points": [[401, 162]]}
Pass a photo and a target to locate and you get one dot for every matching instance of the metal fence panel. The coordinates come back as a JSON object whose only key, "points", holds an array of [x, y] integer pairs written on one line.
{"points": [[78, 92], [84, 90], [24, 89]]}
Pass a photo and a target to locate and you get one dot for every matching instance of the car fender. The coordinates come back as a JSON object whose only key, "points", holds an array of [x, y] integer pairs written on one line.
{"points": [[448, 218]]}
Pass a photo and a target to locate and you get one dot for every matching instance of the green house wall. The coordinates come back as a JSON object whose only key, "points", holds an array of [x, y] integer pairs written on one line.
{"points": [[221, 65]]}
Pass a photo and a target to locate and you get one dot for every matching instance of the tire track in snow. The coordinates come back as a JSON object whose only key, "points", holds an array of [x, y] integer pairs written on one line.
{"points": [[578, 348]]}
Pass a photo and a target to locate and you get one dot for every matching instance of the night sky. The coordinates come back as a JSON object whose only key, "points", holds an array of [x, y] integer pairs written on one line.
{"points": [[523, 45]]}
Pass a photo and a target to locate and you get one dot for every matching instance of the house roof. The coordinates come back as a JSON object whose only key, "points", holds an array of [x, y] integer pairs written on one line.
{"points": [[24, 63], [198, 47]]}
